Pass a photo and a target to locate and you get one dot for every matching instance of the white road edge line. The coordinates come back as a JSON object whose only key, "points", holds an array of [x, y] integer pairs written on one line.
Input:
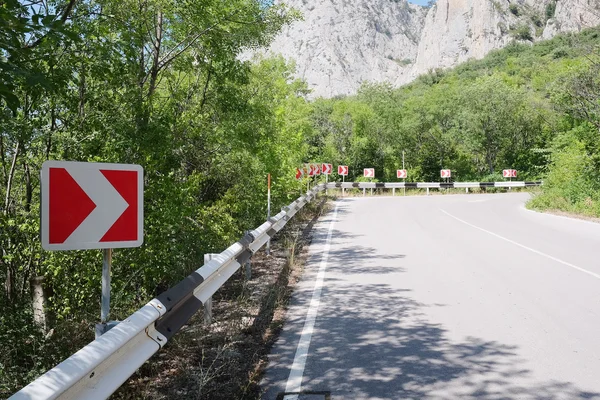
{"points": [[294, 382], [558, 260]]}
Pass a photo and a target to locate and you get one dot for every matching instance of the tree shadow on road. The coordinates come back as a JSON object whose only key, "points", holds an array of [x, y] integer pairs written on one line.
{"points": [[363, 260], [372, 341]]}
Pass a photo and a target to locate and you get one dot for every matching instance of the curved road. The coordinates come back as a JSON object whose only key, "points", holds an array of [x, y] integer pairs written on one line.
{"points": [[443, 297]]}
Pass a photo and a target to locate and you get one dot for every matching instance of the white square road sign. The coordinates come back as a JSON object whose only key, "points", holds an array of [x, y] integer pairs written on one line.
{"points": [[91, 205]]}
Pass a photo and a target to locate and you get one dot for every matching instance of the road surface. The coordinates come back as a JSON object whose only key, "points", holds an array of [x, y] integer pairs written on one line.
{"points": [[443, 297]]}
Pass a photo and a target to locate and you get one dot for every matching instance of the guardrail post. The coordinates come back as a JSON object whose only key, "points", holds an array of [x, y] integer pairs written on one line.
{"points": [[393, 191], [208, 304], [427, 191], [248, 266], [466, 190], [364, 190], [248, 271]]}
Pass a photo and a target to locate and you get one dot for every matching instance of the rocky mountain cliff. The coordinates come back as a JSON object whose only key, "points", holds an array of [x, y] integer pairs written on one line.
{"points": [[341, 43]]}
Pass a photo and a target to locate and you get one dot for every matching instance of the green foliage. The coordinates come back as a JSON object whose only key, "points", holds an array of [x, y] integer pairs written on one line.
{"points": [[89, 81], [572, 184], [504, 111], [93, 83], [522, 32], [537, 21], [550, 9]]}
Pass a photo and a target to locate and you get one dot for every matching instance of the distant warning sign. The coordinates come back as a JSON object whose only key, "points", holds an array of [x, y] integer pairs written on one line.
{"points": [[509, 173], [402, 173], [369, 172], [446, 173]]}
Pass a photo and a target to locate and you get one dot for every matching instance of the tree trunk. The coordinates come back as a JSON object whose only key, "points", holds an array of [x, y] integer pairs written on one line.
{"points": [[51, 132], [3, 159], [9, 283], [204, 92], [28, 188], [38, 297], [82, 90], [11, 175], [156, 56]]}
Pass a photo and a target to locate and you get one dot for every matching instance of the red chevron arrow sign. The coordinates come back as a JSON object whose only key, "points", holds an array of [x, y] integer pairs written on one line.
{"points": [[342, 170], [509, 173], [446, 173], [401, 173], [369, 172], [326, 169], [299, 173], [91, 205]]}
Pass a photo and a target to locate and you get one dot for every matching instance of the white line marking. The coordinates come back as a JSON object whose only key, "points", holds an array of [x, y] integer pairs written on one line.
{"points": [[294, 382], [558, 260]]}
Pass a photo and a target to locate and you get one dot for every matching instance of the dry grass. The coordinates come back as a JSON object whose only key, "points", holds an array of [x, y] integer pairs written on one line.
{"points": [[226, 359], [572, 215]]}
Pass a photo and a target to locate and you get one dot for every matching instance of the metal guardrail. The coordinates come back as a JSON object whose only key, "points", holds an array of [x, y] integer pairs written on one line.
{"points": [[429, 185], [100, 368]]}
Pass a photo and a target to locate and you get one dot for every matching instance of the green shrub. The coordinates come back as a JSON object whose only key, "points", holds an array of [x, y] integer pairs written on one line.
{"points": [[571, 185], [550, 9], [522, 32]]}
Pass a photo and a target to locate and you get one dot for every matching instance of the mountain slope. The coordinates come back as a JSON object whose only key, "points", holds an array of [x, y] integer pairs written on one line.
{"points": [[341, 43]]}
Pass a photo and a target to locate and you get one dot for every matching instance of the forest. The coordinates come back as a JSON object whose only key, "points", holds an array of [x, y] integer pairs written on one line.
{"points": [[161, 83]]}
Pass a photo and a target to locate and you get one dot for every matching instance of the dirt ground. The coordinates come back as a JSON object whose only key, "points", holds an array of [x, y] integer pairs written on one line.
{"points": [[226, 359]]}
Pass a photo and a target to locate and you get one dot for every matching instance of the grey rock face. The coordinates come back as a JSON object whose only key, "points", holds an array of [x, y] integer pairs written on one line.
{"points": [[341, 43]]}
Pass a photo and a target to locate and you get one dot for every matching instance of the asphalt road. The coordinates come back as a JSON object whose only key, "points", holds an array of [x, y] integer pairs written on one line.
{"points": [[443, 297]]}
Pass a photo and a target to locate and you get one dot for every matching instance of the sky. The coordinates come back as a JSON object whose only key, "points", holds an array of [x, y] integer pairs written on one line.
{"points": [[419, 2]]}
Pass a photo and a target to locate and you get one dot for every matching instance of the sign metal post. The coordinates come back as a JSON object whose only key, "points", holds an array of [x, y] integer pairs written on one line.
{"points": [[369, 173], [403, 168], [343, 171], [106, 267], [92, 206]]}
